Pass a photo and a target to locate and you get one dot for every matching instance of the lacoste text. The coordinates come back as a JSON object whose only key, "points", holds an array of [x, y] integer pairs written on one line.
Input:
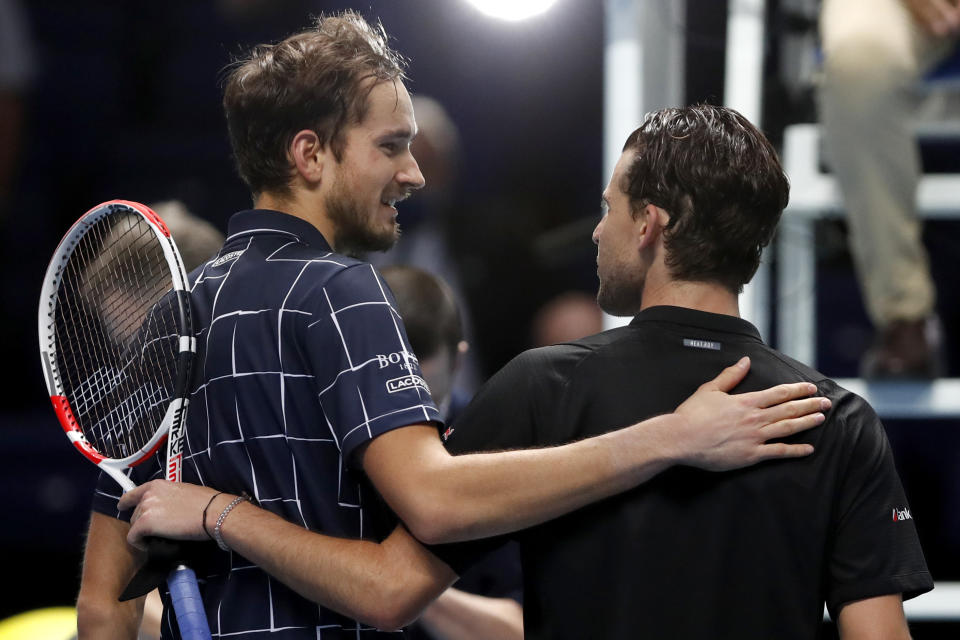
{"points": [[406, 382]]}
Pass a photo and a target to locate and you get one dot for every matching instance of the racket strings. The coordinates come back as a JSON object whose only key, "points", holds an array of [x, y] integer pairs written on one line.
{"points": [[117, 326], [94, 368]]}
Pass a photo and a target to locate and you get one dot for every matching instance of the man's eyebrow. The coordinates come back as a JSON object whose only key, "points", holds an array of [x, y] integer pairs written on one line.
{"points": [[402, 133]]}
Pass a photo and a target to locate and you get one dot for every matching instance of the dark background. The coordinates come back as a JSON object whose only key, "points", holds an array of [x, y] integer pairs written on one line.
{"points": [[126, 103]]}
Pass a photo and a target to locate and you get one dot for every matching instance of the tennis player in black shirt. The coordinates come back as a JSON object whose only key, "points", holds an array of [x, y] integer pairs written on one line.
{"points": [[751, 553]]}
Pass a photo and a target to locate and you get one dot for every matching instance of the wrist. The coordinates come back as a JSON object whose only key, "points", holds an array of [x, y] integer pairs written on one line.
{"points": [[640, 451], [213, 510], [204, 515], [663, 439], [222, 518]]}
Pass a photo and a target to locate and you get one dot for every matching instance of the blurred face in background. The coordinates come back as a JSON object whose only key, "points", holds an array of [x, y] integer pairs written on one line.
{"points": [[439, 371]]}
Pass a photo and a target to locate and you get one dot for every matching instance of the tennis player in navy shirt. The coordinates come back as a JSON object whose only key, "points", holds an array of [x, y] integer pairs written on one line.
{"points": [[306, 388]]}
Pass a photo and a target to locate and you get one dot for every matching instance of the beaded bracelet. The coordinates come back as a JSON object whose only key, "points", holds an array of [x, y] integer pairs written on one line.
{"points": [[203, 522], [217, 535]]}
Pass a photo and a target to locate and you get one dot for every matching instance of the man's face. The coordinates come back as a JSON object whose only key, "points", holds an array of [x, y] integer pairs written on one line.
{"points": [[377, 171], [619, 264]]}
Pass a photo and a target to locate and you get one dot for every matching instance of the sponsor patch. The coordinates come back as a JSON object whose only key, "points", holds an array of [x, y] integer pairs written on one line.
{"points": [[701, 344], [405, 359], [901, 514], [404, 383], [227, 257]]}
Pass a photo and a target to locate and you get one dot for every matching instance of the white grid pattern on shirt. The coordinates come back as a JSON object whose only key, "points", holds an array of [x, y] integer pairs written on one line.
{"points": [[207, 444]]}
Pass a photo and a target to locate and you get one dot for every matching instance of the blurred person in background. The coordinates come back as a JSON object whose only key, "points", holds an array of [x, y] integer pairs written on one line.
{"points": [[568, 316], [18, 242], [197, 239], [875, 53], [16, 73]]}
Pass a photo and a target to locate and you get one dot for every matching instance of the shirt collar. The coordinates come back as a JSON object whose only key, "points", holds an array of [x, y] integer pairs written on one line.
{"points": [[701, 319], [266, 221]]}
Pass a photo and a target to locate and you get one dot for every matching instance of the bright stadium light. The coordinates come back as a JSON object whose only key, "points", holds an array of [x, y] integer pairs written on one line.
{"points": [[512, 10]]}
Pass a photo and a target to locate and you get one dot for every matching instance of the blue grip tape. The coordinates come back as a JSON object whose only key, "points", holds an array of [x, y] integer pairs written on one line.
{"points": [[187, 604]]}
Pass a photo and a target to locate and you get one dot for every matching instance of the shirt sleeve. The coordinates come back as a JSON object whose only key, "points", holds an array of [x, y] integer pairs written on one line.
{"points": [[105, 496], [875, 550], [368, 377]]}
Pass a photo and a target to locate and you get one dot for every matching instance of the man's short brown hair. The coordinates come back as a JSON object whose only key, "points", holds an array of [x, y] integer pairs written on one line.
{"points": [[318, 79], [720, 180]]}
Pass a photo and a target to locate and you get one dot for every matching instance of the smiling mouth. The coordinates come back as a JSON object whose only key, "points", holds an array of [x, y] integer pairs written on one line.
{"points": [[394, 200]]}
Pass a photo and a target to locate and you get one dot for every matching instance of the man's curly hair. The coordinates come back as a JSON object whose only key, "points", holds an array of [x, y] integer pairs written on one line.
{"points": [[720, 180]]}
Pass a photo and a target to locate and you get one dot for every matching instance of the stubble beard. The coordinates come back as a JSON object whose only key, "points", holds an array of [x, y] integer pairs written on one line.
{"points": [[356, 233], [619, 295]]}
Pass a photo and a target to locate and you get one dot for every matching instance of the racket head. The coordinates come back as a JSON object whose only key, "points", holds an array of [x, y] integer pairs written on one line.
{"points": [[115, 337]]}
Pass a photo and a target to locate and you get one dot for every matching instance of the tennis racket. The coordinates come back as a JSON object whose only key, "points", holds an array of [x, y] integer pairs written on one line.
{"points": [[116, 347]]}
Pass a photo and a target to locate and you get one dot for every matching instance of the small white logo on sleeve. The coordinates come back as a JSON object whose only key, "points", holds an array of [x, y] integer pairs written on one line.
{"points": [[901, 514], [225, 258], [406, 382]]}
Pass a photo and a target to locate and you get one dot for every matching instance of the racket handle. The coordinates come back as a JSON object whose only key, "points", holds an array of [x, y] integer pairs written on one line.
{"points": [[187, 604]]}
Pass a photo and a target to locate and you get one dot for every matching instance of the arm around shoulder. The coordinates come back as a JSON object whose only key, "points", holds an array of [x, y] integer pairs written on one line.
{"points": [[445, 498]]}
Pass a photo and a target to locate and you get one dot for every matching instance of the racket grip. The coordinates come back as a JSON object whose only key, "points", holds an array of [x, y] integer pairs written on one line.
{"points": [[187, 604]]}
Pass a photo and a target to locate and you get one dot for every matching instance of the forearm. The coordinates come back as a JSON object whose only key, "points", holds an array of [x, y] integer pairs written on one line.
{"points": [[457, 615], [101, 618], [109, 563], [879, 618], [108, 620], [386, 585], [445, 498]]}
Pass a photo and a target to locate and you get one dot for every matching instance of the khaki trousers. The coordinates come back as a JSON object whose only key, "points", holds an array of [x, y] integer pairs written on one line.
{"points": [[874, 55]]}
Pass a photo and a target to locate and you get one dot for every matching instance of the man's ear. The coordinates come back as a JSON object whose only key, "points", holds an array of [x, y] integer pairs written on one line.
{"points": [[650, 221], [309, 157]]}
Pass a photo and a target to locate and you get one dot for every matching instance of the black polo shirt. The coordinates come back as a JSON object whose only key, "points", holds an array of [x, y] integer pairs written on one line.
{"points": [[751, 553], [301, 358]]}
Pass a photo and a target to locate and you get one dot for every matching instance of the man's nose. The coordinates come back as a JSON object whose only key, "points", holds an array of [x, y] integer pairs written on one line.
{"points": [[411, 176]]}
